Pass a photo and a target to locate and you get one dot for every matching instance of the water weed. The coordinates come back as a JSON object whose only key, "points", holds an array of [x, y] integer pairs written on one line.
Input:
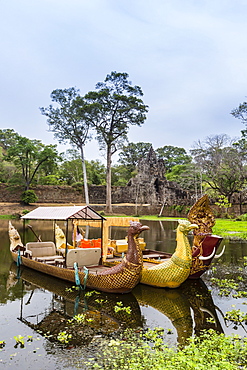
{"points": [[120, 307], [64, 337], [210, 350], [20, 340], [236, 316]]}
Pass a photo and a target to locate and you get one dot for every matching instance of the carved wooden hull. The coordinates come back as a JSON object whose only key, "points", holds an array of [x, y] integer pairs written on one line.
{"points": [[208, 244]]}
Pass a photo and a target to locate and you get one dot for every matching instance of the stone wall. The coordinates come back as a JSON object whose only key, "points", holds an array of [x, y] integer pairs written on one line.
{"points": [[123, 202], [149, 186], [45, 194]]}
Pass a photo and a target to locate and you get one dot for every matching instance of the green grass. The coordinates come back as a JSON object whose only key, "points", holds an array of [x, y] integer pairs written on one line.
{"points": [[227, 228], [6, 217], [230, 229]]}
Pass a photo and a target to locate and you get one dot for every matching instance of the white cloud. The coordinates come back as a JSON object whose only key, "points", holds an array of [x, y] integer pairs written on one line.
{"points": [[188, 57]]}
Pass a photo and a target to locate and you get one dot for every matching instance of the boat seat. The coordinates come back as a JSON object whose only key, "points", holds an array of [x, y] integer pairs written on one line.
{"points": [[42, 251], [83, 257]]}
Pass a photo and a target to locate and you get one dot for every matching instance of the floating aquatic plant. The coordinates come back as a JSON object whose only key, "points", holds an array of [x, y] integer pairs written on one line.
{"points": [[120, 307], [19, 341], [64, 337]]}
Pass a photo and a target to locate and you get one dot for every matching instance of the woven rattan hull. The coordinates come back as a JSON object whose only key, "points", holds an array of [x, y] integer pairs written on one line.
{"points": [[210, 243], [119, 279], [169, 274]]}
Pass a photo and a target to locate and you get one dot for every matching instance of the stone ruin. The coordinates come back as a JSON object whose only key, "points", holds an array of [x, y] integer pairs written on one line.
{"points": [[150, 185]]}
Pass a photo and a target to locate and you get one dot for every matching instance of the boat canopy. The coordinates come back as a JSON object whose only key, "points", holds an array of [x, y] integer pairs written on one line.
{"points": [[64, 213]]}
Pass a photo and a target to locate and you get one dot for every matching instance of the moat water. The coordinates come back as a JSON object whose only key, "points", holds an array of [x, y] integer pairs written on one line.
{"points": [[37, 307]]}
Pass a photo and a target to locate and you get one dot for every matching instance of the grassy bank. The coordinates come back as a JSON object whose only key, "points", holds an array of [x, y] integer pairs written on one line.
{"points": [[231, 229], [228, 228]]}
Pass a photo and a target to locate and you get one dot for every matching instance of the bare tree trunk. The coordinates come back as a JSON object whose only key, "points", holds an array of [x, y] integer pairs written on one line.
{"points": [[84, 176], [240, 203], [108, 181]]}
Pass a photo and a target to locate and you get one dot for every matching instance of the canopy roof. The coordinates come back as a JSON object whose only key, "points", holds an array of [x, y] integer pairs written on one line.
{"points": [[63, 213]]}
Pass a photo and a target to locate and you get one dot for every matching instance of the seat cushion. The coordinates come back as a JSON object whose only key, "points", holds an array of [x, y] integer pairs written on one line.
{"points": [[83, 257], [41, 249]]}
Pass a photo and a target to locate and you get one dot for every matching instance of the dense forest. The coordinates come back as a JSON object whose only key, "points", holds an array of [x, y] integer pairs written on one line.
{"points": [[216, 166]]}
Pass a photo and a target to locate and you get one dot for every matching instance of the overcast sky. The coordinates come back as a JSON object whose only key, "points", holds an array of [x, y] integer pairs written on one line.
{"points": [[188, 56]]}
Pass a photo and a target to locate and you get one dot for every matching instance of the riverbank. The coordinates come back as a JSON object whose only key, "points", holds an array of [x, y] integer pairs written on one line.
{"points": [[228, 228]]}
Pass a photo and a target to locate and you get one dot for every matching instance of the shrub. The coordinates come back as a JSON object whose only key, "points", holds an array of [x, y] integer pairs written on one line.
{"points": [[49, 180], [179, 208], [29, 196], [242, 217], [77, 185]]}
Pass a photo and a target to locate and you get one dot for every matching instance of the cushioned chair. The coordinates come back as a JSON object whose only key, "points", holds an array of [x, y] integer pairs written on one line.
{"points": [[83, 257], [42, 251]]}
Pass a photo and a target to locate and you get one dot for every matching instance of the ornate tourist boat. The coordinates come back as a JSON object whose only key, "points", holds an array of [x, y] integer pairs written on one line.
{"points": [[171, 272], [83, 266]]}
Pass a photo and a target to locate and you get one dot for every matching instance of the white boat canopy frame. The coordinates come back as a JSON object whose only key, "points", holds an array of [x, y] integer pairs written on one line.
{"points": [[66, 213]]}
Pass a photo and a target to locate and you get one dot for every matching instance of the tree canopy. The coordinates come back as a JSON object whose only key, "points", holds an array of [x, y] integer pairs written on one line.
{"points": [[131, 153], [172, 156], [223, 164], [113, 107], [69, 122], [31, 156]]}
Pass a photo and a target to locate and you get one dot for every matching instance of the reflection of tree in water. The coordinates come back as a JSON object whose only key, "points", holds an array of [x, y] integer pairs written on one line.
{"points": [[11, 288], [96, 311]]}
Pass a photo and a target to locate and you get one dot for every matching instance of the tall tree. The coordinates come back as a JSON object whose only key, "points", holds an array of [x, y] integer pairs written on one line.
{"points": [[172, 156], [69, 122], [114, 106], [223, 164], [30, 156]]}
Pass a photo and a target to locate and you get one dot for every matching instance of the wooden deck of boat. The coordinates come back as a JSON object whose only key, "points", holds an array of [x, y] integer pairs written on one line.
{"points": [[149, 264], [146, 263], [97, 269]]}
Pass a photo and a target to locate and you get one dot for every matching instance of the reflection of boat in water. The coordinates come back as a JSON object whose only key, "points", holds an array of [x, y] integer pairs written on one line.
{"points": [[170, 303], [201, 301], [43, 256], [98, 309], [190, 308]]}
